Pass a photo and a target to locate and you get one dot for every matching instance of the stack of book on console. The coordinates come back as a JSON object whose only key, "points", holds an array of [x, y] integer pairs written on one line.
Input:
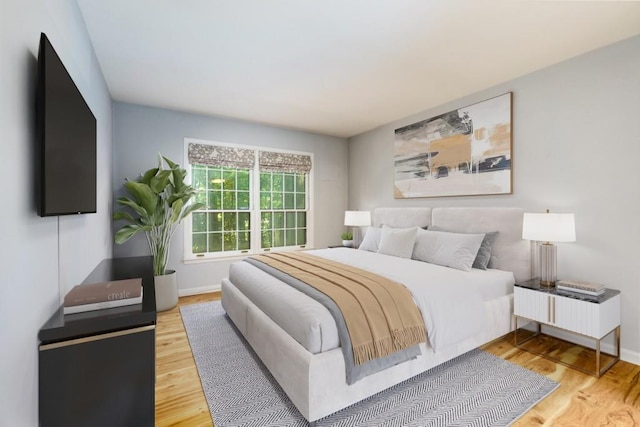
{"points": [[101, 295], [580, 287]]}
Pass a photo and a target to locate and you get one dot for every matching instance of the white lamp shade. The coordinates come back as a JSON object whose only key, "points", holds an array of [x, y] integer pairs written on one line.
{"points": [[357, 218], [549, 227]]}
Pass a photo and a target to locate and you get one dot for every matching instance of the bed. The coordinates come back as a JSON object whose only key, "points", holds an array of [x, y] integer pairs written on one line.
{"points": [[294, 337]]}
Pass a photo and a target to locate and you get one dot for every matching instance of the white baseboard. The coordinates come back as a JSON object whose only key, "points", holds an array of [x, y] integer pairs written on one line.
{"points": [[201, 290], [630, 356]]}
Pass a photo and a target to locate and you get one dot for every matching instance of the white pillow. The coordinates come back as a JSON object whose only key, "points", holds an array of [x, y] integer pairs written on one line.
{"points": [[371, 241], [455, 250], [397, 241]]}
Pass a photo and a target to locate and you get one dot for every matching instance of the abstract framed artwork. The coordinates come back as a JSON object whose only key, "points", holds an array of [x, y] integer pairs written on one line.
{"points": [[463, 152]]}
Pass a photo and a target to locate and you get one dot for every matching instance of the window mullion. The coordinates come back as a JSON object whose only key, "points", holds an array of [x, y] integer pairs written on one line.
{"points": [[255, 206]]}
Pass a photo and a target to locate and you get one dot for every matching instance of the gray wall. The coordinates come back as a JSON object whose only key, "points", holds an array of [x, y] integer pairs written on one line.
{"points": [[141, 132], [41, 258], [575, 146]]}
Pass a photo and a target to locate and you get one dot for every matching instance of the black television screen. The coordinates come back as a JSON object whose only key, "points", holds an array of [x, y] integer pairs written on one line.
{"points": [[66, 132]]}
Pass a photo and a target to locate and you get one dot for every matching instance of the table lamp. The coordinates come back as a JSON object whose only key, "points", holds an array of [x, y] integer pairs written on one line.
{"points": [[357, 219], [548, 228]]}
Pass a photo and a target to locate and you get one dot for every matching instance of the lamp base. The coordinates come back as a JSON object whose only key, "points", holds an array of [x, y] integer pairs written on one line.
{"points": [[548, 264], [356, 237]]}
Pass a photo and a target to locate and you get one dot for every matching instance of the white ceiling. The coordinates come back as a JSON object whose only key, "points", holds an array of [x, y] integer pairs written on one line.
{"points": [[336, 67]]}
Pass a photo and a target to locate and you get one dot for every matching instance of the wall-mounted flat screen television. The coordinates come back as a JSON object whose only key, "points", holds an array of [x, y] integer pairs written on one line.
{"points": [[66, 133]]}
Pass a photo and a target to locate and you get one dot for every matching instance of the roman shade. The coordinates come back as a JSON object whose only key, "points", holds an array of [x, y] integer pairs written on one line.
{"points": [[221, 156], [235, 157], [284, 162]]}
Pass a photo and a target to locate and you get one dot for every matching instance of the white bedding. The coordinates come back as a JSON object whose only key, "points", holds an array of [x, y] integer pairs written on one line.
{"points": [[492, 283], [451, 301]]}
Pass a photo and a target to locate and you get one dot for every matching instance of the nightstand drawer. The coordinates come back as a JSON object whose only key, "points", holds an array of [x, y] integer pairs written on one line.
{"points": [[587, 318], [532, 305]]}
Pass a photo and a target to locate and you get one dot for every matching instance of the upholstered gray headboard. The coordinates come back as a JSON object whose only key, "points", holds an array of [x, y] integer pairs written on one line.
{"points": [[510, 252], [402, 217]]}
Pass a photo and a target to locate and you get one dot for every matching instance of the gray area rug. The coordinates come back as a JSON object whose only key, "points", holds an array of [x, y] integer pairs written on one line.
{"points": [[474, 389]]}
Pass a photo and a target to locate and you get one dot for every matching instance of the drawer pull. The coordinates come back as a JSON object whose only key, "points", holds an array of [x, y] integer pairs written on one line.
{"points": [[99, 337]]}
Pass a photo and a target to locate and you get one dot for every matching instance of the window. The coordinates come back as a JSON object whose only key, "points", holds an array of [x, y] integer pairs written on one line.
{"points": [[256, 201], [225, 223], [283, 209]]}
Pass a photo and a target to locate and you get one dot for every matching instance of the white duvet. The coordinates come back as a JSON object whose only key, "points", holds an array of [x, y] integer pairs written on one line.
{"points": [[451, 301]]}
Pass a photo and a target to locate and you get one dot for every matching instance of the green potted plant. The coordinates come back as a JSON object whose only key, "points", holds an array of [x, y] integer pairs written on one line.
{"points": [[159, 201], [347, 239]]}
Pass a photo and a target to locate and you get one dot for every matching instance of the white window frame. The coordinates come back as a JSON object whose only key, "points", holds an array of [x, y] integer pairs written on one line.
{"points": [[254, 207]]}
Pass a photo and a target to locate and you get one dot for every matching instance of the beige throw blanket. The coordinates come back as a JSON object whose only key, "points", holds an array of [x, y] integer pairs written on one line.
{"points": [[380, 314]]}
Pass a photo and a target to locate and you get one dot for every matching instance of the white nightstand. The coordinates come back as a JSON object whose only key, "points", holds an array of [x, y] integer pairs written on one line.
{"points": [[591, 317]]}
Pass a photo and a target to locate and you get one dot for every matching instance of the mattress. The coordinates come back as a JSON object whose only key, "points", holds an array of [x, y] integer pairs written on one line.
{"points": [[456, 313]]}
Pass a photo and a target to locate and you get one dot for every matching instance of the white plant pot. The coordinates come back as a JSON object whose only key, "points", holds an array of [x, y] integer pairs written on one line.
{"points": [[166, 291], [347, 243]]}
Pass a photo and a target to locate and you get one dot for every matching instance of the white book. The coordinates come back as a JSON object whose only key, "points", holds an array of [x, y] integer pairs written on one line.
{"points": [[579, 291], [102, 305], [579, 284]]}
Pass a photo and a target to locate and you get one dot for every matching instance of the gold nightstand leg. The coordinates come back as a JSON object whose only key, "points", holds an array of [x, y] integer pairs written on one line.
{"points": [[598, 357], [599, 370], [515, 332]]}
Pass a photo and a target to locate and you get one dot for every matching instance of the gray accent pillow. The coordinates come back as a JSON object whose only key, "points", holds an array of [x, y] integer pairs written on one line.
{"points": [[484, 253], [483, 258]]}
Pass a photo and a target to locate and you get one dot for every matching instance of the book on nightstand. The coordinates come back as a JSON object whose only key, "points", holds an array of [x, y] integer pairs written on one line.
{"points": [[102, 305], [101, 295], [588, 288]]}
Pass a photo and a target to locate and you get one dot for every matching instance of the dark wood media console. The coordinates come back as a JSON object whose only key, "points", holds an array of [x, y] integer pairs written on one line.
{"points": [[97, 368]]}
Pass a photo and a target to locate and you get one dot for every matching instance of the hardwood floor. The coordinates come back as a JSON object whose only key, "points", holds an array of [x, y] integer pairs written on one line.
{"points": [[581, 400], [179, 396]]}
